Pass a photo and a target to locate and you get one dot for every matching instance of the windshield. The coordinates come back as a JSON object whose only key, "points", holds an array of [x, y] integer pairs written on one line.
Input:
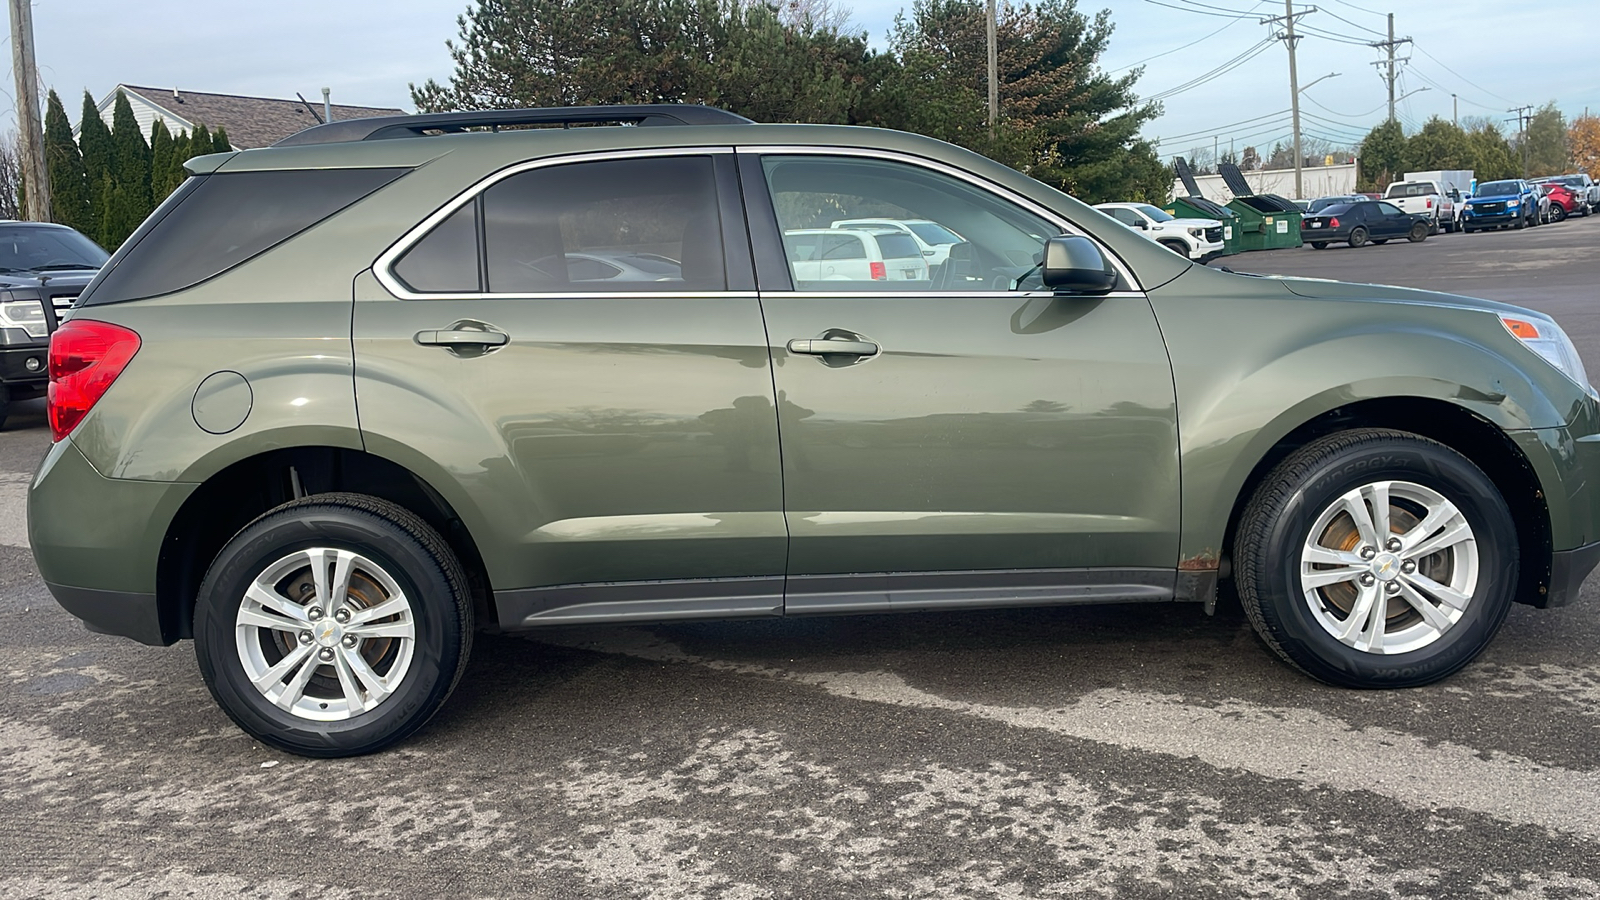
{"points": [[40, 249], [1158, 215], [1498, 188], [934, 233]]}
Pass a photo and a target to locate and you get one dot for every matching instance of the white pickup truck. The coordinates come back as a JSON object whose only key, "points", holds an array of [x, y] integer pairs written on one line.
{"points": [[1424, 198]]}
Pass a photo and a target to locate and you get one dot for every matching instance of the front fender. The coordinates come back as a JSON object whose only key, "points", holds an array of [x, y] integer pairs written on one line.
{"points": [[1253, 361]]}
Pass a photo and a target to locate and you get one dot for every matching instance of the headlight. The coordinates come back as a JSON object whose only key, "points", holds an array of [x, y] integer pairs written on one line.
{"points": [[1544, 337], [1513, 204], [1198, 232], [25, 314]]}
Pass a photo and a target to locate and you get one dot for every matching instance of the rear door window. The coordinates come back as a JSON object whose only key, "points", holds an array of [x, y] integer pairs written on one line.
{"points": [[577, 227]]}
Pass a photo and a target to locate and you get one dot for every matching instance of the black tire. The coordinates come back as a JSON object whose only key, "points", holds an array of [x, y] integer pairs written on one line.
{"points": [[407, 551], [1318, 245], [1288, 504], [1358, 236], [1521, 223], [1557, 214], [5, 404], [1419, 233], [1178, 247]]}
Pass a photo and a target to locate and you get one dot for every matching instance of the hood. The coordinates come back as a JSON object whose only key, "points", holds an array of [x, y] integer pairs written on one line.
{"points": [[1194, 223], [75, 278], [1493, 198], [1321, 289]]}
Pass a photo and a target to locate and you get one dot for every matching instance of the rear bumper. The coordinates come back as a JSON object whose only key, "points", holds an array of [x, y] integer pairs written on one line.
{"points": [[96, 541]]}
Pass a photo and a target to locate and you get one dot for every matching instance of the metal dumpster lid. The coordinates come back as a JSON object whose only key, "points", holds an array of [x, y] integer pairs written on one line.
{"points": [[1234, 179], [1186, 175], [1283, 203], [1210, 207]]}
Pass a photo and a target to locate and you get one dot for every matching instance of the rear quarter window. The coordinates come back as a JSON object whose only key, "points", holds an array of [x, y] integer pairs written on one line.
{"points": [[219, 221]]}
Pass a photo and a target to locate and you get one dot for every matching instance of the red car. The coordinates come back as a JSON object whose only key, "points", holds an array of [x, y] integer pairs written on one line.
{"points": [[1563, 202]]}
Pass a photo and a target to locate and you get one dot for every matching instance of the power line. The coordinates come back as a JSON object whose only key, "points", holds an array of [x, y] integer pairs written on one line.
{"points": [[1214, 74], [1353, 24], [1361, 8], [1333, 36], [1222, 129], [1350, 115], [1185, 46], [1200, 12], [1459, 75]]}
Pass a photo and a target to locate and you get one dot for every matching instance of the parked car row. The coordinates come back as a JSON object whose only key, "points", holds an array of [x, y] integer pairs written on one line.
{"points": [[43, 268], [1363, 221]]}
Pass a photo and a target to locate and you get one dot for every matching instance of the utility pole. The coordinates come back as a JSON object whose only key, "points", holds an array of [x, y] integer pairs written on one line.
{"points": [[1389, 45], [1289, 38], [994, 71], [1455, 111], [1524, 113], [34, 171]]}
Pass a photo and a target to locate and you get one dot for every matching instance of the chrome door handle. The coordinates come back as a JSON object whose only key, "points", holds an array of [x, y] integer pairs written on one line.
{"points": [[460, 337], [830, 346]]}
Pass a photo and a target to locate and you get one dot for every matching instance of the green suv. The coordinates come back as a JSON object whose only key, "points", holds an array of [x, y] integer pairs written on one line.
{"points": [[342, 402]]}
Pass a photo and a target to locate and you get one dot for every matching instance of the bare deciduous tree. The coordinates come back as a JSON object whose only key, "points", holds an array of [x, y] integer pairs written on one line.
{"points": [[10, 176]]}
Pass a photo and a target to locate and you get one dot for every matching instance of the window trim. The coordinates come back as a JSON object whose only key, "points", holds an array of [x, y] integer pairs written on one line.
{"points": [[996, 190], [382, 267]]}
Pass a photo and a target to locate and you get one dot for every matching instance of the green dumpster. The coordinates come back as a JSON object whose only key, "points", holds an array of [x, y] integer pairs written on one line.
{"points": [[1201, 208], [1196, 206], [1266, 221]]}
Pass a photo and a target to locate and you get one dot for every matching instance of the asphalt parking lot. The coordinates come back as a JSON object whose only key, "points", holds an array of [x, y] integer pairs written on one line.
{"points": [[1112, 752]]}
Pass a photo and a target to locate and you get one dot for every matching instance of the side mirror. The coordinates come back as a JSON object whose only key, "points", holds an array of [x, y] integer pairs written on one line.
{"points": [[1074, 263], [1140, 224]]}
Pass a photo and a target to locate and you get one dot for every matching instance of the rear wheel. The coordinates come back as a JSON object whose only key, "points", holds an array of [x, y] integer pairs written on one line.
{"points": [[333, 625], [1558, 214], [1376, 558], [1358, 236], [1419, 233]]}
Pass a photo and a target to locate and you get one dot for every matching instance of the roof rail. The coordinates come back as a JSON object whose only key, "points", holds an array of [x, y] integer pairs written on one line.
{"points": [[385, 127]]}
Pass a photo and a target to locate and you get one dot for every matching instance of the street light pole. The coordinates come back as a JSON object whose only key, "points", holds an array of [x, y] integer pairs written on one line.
{"points": [[994, 70]]}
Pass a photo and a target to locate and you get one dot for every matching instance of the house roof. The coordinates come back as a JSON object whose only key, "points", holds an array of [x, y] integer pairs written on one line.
{"points": [[250, 121]]}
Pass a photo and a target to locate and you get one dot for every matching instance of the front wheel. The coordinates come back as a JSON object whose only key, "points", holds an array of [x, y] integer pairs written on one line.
{"points": [[1419, 233], [1376, 558], [1358, 236], [1178, 247], [333, 626]]}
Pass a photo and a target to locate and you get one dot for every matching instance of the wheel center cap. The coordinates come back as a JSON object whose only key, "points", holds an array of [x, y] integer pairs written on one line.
{"points": [[1385, 567], [327, 633]]}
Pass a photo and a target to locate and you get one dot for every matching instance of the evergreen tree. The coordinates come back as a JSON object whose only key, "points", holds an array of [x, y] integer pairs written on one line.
{"points": [[1492, 159], [199, 142], [130, 173], [1547, 141], [101, 213], [160, 161], [219, 141], [1382, 156], [69, 184], [1439, 145], [99, 159], [181, 154]]}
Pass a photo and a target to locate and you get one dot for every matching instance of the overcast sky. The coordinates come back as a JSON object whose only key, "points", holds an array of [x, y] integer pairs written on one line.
{"points": [[368, 51]]}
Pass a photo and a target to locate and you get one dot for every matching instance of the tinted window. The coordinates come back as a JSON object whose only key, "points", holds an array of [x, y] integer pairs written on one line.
{"points": [[898, 246], [1002, 240], [224, 220], [934, 233], [1158, 215], [558, 228], [1389, 209], [840, 247], [1124, 215], [1335, 209], [446, 260]]}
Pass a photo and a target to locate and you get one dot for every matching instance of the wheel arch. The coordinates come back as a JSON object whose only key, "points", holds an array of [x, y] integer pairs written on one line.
{"points": [[236, 494], [1473, 436]]}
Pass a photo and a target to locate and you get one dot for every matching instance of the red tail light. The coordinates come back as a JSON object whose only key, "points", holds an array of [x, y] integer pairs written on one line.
{"points": [[1334, 222], [1429, 201], [85, 358], [879, 272]]}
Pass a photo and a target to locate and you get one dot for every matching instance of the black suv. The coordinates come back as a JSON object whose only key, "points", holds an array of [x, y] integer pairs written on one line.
{"points": [[38, 262]]}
